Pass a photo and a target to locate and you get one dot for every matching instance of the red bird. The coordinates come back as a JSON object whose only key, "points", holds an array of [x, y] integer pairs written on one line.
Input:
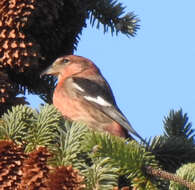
{"points": [[82, 94]]}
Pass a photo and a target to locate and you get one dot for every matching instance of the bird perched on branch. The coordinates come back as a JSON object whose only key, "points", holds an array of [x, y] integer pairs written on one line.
{"points": [[82, 94]]}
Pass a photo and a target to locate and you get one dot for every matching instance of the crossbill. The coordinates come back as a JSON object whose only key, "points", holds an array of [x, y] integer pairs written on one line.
{"points": [[82, 94]]}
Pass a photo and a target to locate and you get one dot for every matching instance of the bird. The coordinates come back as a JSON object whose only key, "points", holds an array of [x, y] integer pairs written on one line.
{"points": [[82, 94]]}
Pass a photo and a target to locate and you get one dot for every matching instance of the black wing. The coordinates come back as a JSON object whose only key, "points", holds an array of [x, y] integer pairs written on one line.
{"points": [[101, 96], [94, 89]]}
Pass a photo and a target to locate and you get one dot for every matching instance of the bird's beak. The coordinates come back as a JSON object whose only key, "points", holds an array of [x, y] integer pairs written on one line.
{"points": [[53, 69], [48, 71]]}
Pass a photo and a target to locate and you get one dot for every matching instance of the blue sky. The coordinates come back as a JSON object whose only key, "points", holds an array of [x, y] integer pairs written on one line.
{"points": [[153, 72]]}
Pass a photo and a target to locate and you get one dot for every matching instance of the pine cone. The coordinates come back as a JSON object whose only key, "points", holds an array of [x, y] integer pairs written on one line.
{"points": [[65, 178], [16, 50], [32, 34], [32, 31], [35, 170], [8, 93], [11, 160]]}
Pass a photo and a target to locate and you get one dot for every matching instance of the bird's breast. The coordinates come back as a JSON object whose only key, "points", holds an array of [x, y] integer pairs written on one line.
{"points": [[77, 109], [67, 105]]}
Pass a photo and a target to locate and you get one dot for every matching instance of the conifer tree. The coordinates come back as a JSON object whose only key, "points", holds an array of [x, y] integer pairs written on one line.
{"points": [[41, 150], [34, 33]]}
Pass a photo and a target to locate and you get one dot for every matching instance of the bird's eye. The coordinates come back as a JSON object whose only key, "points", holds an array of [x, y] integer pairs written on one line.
{"points": [[65, 61]]}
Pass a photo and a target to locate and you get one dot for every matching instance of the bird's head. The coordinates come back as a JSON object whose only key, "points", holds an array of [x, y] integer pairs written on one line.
{"points": [[70, 65]]}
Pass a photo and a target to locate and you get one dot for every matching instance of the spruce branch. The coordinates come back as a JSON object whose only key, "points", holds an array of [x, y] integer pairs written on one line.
{"points": [[109, 14], [172, 152], [101, 175], [68, 143], [43, 131], [176, 124], [15, 123], [38, 37], [129, 156], [170, 177], [176, 146], [187, 173]]}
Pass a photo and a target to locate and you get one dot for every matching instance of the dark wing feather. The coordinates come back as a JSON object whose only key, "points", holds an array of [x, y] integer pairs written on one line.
{"points": [[102, 89], [94, 89]]}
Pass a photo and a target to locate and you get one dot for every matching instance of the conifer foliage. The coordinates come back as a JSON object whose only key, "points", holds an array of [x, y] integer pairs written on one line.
{"points": [[41, 150], [33, 33], [176, 146]]}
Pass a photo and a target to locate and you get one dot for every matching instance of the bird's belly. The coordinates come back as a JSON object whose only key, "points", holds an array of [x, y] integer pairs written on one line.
{"points": [[82, 111]]}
